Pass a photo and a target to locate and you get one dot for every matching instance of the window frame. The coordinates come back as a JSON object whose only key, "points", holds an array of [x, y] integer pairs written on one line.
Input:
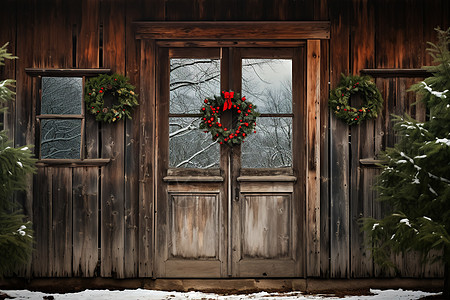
{"points": [[37, 75]]}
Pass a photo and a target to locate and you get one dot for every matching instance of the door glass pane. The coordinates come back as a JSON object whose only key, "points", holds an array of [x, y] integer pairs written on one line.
{"points": [[191, 81], [60, 139], [189, 147], [270, 146], [268, 84], [61, 95]]}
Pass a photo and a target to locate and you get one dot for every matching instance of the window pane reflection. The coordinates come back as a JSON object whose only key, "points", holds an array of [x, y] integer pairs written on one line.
{"points": [[270, 146], [189, 147], [268, 84], [192, 80]]}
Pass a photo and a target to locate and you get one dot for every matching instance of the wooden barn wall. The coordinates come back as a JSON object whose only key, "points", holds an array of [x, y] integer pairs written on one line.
{"points": [[98, 221]]}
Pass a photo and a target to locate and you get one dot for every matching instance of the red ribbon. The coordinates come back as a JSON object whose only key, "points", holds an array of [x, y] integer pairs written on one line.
{"points": [[228, 96]]}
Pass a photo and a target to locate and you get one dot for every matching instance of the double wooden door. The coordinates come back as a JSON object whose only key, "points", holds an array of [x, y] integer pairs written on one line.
{"points": [[224, 211]]}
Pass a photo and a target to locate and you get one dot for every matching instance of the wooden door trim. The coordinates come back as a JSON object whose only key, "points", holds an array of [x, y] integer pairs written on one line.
{"points": [[290, 30]]}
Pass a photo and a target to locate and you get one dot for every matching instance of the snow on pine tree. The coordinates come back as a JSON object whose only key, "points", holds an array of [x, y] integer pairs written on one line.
{"points": [[415, 181], [15, 164]]}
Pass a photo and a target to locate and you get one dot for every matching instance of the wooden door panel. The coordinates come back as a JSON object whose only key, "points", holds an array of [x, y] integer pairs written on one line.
{"points": [[194, 220], [266, 230], [266, 226]]}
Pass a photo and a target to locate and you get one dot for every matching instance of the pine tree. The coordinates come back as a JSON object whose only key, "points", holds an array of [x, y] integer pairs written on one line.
{"points": [[415, 181], [15, 165]]}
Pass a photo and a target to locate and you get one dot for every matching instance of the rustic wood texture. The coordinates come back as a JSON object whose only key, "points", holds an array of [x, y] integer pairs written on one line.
{"points": [[313, 158], [339, 152], [112, 177], [194, 223], [233, 30], [147, 164], [386, 39], [85, 221], [362, 137], [324, 161]]}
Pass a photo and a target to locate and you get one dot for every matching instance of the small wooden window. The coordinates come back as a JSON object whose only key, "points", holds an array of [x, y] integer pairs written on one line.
{"points": [[60, 116]]}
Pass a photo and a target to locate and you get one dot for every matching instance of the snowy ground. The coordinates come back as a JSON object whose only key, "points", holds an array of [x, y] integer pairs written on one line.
{"points": [[141, 294]]}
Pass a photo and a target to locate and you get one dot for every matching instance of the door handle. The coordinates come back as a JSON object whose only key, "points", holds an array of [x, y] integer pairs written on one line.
{"points": [[236, 194]]}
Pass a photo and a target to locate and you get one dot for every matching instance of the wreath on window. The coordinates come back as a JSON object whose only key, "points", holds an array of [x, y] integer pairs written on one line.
{"points": [[110, 97], [243, 118], [366, 89]]}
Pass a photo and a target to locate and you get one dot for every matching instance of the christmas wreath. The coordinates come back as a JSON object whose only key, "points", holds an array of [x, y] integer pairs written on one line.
{"points": [[243, 116], [110, 97], [367, 90]]}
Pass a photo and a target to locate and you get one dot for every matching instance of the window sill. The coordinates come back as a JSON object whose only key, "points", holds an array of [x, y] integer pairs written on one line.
{"points": [[275, 178], [73, 163], [177, 179]]}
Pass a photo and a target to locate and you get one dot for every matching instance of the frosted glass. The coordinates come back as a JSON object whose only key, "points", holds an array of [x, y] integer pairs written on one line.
{"points": [[60, 138], [61, 95]]}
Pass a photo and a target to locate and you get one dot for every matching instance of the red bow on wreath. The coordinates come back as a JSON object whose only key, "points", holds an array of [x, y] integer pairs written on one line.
{"points": [[228, 96]]}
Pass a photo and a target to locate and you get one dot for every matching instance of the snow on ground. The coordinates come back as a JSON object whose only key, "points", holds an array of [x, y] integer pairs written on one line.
{"points": [[141, 294]]}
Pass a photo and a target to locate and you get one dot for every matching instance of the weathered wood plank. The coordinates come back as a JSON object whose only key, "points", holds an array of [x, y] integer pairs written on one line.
{"points": [[187, 10], [61, 223], [112, 178], [233, 30], [313, 158], [85, 221], [41, 222], [146, 158], [162, 230], [299, 162], [324, 161], [362, 139], [339, 186], [22, 122]]}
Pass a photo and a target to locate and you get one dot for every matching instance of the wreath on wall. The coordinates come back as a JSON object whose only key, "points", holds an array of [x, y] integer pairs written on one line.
{"points": [[110, 97], [352, 85], [243, 118]]}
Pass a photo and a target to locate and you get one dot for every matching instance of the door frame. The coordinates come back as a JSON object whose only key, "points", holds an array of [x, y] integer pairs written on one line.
{"points": [[232, 34]]}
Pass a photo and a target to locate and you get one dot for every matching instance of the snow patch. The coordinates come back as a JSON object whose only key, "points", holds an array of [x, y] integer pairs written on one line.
{"points": [[435, 93], [401, 161], [420, 156], [24, 148], [426, 218], [443, 141], [375, 226], [166, 295], [406, 222], [20, 164]]}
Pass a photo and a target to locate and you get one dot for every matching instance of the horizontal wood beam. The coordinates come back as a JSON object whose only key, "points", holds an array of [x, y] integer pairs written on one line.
{"points": [[178, 179], [275, 178], [73, 163], [370, 162], [66, 72], [389, 73], [233, 30]]}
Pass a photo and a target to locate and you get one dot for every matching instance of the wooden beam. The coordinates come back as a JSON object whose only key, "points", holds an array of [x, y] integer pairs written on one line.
{"points": [[390, 73], [65, 72], [233, 30], [73, 163]]}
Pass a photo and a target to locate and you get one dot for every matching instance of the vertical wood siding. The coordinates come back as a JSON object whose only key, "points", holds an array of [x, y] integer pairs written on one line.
{"points": [[78, 210]]}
